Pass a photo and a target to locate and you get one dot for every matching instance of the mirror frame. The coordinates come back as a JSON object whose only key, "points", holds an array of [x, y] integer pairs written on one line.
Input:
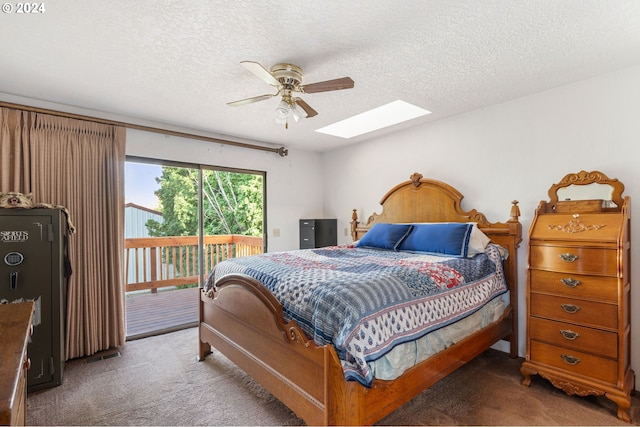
{"points": [[586, 178]]}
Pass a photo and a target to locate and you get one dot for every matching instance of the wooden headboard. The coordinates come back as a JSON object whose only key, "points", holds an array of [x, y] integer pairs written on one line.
{"points": [[426, 200]]}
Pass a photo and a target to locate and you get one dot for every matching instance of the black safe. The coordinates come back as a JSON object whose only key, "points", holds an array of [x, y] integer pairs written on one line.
{"points": [[32, 267]]}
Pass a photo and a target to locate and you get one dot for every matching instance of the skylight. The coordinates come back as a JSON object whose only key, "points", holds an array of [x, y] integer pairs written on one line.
{"points": [[387, 115]]}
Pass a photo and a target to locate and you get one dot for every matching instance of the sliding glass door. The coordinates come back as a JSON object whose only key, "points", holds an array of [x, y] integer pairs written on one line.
{"points": [[200, 215]]}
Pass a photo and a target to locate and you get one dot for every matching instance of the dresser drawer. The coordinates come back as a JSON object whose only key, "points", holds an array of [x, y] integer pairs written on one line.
{"points": [[575, 337], [601, 227], [583, 312], [575, 362], [600, 288], [574, 259]]}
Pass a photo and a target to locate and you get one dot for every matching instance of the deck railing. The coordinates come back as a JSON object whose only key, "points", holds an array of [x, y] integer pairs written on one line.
{"points": [[157, 262]]}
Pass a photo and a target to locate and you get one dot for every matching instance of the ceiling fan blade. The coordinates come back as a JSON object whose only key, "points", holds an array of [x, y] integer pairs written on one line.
{"points": [[335, 84], [250, 100], [307, 109], [260, 72]]}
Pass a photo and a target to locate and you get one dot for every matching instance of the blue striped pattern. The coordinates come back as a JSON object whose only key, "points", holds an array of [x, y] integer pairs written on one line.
{"points": [[366, 301]]}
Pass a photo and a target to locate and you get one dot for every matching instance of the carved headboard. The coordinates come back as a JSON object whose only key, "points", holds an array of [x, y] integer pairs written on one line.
{"points": [[427, 200]]}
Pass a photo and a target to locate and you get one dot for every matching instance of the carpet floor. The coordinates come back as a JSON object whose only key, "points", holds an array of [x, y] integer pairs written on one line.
{"points": [[157, 381]]}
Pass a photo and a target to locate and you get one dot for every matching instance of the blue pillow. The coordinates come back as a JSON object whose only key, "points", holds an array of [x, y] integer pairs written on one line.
{"points": [[384, 236], [438, 239]]}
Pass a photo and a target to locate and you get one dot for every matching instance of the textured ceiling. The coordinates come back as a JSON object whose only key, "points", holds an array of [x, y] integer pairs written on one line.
{"points": [[178, 62]]}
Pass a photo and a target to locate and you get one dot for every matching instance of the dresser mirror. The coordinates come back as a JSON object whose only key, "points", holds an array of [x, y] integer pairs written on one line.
{"points": [[593, 191], [588, 191]]}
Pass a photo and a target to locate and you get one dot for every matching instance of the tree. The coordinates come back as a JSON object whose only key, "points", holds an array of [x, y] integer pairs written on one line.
{"points": [[232, 203]]}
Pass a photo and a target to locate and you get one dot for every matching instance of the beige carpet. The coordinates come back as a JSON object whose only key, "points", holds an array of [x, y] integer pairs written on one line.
{"points": [[157, 381]]}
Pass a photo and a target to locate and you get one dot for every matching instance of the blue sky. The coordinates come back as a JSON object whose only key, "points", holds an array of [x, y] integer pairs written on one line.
{"points": [[140, 183]]}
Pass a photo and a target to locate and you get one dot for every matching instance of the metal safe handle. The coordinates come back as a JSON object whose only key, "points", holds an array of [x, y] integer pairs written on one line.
{"points": [[13, 279]]}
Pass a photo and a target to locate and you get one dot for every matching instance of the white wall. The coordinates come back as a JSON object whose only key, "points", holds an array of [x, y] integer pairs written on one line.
{"points": [[294, 183], [515, 150]]}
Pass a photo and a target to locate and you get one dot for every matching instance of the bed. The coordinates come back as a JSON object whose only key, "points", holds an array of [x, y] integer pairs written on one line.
{"points": [[327, 382]]}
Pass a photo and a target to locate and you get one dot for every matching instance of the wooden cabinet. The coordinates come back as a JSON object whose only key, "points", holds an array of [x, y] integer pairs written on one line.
{"points": [[578, 293], [15, 330], [317, 233]]}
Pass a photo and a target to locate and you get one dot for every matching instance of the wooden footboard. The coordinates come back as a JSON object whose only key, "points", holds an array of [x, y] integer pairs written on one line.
{"points": [[244, 322]]}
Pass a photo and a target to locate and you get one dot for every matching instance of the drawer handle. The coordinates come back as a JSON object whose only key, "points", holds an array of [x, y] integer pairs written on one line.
{"points": [[570, 308], [570, 360], [568, 334], [569, 257], [572, 283], [27, 364]]}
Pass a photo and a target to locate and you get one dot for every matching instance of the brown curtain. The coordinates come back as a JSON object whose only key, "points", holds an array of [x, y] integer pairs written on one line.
{"points": [[80, 165]]}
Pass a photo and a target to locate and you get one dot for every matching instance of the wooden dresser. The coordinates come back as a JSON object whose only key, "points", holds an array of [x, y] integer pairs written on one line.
{"points": [[15, 330], [578, 292]]}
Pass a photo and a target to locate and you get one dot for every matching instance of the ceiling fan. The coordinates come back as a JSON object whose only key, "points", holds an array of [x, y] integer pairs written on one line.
{"points": [[287, 79]]}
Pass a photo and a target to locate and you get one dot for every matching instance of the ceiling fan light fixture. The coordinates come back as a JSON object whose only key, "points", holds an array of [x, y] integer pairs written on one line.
{"points": [[287, 80], [297, 113], [282, 110]]}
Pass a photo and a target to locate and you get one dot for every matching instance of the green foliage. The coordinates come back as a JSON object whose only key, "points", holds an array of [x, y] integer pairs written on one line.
{"points": [[232, 203]]}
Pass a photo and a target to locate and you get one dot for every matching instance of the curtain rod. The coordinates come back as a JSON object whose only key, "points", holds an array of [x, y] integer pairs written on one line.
{"points": [[282, 151]]}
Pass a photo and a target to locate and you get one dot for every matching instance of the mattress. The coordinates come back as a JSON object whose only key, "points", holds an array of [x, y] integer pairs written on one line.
{"points": [[406, 355]]}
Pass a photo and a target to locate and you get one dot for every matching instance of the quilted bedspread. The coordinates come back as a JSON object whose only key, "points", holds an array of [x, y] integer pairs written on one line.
{"points": [[366, 301]]}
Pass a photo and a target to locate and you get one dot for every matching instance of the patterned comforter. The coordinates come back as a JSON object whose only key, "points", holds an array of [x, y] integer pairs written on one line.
{"points": [[366, 301]]}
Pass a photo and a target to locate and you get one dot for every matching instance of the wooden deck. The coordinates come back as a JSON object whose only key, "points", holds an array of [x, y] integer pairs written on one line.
{"points": [[156, 313]]}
